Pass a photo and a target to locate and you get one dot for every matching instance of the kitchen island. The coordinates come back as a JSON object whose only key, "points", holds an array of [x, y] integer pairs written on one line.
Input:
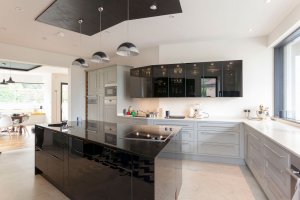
{"points": [[110, 161]]}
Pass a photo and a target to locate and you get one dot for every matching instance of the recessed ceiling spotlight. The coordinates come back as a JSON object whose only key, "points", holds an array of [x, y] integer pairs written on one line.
{"points": [[60, 34], [153, 6], [250, 30], [171, 16], [268, 1], [19, 9]]}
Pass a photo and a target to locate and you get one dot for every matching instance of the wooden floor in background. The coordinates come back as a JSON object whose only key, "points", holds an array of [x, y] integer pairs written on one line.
{"points": [[14, 141]]}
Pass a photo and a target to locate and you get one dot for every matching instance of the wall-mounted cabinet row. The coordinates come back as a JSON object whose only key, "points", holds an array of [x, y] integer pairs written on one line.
{"points": [[205, 79]]}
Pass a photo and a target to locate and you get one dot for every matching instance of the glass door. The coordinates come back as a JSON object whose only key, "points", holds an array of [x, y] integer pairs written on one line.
{"points": [[212, 80], [64, 101], [176, 80]]}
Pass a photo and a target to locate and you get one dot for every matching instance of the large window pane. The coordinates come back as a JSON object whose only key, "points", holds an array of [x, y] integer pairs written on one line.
{"points": [[21, 96], [287, 78]]}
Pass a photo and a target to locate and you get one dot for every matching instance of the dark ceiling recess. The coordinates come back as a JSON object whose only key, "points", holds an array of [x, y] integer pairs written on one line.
{"points": [[65, 13], [17, 66]]}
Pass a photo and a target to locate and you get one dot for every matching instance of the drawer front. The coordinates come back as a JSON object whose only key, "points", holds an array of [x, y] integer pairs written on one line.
{"points": [[276, 155], [133, 121], [280, 178], [188, 147], [186, 136], [219, 137], [272, 190], [184, 125], [230, 150], [230, 127]]}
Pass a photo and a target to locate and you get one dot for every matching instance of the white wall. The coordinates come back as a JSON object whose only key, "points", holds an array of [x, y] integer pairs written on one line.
{"points": [[257, 74], [77, 94], [57, 79], [285, 28]]}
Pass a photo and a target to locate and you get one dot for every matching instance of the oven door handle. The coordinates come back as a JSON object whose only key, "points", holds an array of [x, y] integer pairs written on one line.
{"points": [[293, 173]]}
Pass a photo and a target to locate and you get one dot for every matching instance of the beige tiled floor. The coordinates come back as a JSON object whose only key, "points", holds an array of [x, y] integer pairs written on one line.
{"points": [[205, 181]]}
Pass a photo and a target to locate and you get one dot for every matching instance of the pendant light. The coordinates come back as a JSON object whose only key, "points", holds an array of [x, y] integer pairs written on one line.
{"points": [[100, 57], [10, 79], [127, 48], [80, 62]]}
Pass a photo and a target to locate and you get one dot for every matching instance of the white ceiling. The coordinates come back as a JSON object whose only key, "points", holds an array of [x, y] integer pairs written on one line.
{"points": [[200, 20]]}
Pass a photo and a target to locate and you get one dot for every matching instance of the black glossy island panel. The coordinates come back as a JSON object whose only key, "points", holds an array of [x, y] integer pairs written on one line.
{"points": [[110, 161]]}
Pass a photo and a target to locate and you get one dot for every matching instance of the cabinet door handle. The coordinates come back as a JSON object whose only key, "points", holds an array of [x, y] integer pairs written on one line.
{"points": [[277, 154]]}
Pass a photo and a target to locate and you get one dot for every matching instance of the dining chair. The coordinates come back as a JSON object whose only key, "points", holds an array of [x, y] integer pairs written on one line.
{"points": [[5, 123]]}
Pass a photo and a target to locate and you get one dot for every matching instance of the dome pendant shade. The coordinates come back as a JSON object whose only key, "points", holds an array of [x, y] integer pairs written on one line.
{"points": [[127, 49], [100, 57], [10, 80], [3, 82], [80, 62]]}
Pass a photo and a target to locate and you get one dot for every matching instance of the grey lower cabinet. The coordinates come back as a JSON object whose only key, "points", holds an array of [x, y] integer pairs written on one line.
{"points": [[209, 141], [268, 163]]}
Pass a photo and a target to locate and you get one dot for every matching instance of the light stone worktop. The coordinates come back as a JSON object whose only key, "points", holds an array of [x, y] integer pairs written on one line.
{"points": [[285, 135]]}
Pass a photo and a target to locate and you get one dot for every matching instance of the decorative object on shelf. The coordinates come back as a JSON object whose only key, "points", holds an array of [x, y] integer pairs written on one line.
{"points": [[262, 112], [10, 79], [127, 48], [80, 62], [100, 56]]}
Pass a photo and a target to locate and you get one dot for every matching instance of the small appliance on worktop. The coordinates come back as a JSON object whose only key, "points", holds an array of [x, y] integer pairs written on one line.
{"points": [[103, 160]]}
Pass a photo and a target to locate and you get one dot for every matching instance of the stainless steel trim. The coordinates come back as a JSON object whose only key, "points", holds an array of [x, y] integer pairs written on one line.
{"points": [[293, 173]]}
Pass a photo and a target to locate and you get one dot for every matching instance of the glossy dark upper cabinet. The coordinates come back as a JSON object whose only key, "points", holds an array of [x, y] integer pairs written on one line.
{"points": [[203, 79], [176, 80], [212, 79], [193, 74], [232, 79], [160, 81], [141, 82]]}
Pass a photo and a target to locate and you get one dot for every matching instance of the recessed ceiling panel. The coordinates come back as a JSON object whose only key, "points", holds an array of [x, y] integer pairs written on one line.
{"points": [[66, 13], [17, 66]]}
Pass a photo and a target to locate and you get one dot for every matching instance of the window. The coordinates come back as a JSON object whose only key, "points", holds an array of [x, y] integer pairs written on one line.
{"points": [[21, 96], [287, 78]]}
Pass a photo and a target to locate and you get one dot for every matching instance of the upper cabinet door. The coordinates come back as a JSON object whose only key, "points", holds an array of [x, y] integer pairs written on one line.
{"points": [[176, 80], [135, 86], [193, 74], [232, 79], [160, 81], [212, 79], [110, 75], [146, 82]]}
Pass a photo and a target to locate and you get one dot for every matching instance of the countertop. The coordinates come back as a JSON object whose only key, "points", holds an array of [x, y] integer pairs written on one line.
{"points": [[285, 135], [113, 135], [209, 119]]}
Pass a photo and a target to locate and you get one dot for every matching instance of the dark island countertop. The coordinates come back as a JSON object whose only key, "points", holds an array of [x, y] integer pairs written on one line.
{"points": [[116, 135]]}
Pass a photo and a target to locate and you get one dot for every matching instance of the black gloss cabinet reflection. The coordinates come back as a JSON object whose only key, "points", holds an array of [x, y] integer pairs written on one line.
{"points": [[176, 80], [87, 170], [203, 79], [194, 72], [160, 81]]}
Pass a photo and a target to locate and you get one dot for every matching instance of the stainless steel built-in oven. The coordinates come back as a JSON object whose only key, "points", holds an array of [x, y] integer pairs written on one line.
{"points": [[294, 171], [92, 99], [110, 90]]}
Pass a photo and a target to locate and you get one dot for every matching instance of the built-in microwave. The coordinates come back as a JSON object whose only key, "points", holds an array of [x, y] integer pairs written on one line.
{"points": [[110, 90]]}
